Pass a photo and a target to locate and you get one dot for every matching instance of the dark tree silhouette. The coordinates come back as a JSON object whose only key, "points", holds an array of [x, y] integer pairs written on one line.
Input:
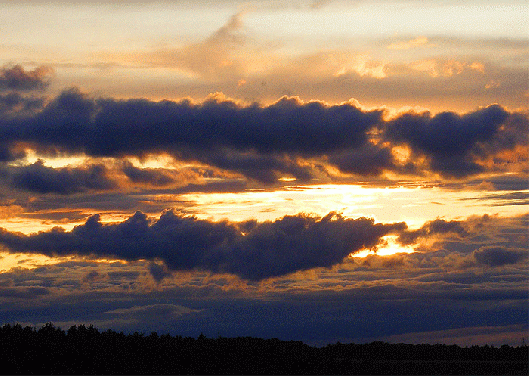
{"points": [[86, 350]]}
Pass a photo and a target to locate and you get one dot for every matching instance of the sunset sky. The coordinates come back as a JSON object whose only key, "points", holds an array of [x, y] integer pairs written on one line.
{"points": [[308, 170]]}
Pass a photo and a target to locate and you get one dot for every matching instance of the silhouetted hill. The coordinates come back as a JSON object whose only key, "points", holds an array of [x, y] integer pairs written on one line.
{"points": [[86, 350]]}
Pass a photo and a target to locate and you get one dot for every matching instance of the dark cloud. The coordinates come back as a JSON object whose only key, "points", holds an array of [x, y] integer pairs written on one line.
{"points": [[17, 78], [425, 293], [92, 276], [265, 250], [369, 160], [15, 103], [513, 132], [265, 143], [510, 182], [158, 271], [8, 154], [66, 180], [448, 139], [432, 228], [504, 182], [23, 292], [499, 256], [265, 168], [146, 176], [512, 198], [256, 141], [300, 242]]}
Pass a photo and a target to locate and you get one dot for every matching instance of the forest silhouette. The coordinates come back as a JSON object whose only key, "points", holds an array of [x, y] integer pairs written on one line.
{"points": [[86, 350]]}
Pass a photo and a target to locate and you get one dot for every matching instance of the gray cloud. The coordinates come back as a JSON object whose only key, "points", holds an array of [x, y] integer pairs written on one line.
{"points": [[432, 228], [266, 250], [499, 256], [17, 78], [256, 141], [149, 176], [23, 292], [368, 160], [265, 143], [427, 294], [66, 180], [451, 141]]}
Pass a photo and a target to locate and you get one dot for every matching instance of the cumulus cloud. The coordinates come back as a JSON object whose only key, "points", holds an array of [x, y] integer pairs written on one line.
{"points": [[16, 103], [499, 256], [265, 250], [39, 178], [368, 160], [17, 78], [158, 271], [450, 141], [256, 141], [288, 137]]}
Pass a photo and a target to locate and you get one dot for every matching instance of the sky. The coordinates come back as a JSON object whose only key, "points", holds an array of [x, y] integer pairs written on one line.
{"points": [[319, 171]]}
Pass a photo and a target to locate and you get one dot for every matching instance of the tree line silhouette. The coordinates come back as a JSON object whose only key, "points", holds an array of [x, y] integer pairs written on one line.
{"points": [[86, 350]]}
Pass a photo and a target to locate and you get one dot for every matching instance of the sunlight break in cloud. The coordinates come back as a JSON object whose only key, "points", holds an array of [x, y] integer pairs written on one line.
{"points": [[249, 126]]}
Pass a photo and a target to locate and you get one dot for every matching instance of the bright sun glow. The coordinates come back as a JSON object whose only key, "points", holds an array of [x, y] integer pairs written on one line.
{"points": [[389, 247], [9, 261]]}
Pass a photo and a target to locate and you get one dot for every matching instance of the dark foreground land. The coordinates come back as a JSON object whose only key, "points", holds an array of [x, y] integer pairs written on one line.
{"points": [[85, 350]]}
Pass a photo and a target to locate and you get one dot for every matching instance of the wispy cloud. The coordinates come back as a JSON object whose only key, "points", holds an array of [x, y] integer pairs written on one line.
{"points": [[409, 44]]}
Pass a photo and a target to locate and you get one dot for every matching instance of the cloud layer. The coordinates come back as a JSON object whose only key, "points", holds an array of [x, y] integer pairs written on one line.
{"points": [[288, 137], [250, 250]]}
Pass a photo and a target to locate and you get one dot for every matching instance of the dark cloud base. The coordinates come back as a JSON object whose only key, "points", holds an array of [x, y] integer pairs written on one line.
{"points": [[17, 78], [41, 179], [263, 143], [250, 250], [467, 277]]}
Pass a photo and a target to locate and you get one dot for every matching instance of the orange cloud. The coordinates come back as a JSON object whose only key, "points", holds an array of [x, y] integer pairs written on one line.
{"points": [[406, 45]]}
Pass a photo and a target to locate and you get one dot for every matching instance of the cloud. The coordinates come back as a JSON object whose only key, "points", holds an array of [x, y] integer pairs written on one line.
{"points": [[499, 256], [264, 143], [158, 272], [266, 250], [23, 292], [17, 78], [484, 335], [369, 160], [405, 45], [39, 178], [432, 228], [146, 176], [449, 140], [256, 141], [424, 293], [218, 57], [16, 103], [155, 311]]}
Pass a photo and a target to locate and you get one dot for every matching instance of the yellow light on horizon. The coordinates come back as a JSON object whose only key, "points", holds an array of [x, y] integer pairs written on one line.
{"points": [[9, 261], [390, 247]]}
